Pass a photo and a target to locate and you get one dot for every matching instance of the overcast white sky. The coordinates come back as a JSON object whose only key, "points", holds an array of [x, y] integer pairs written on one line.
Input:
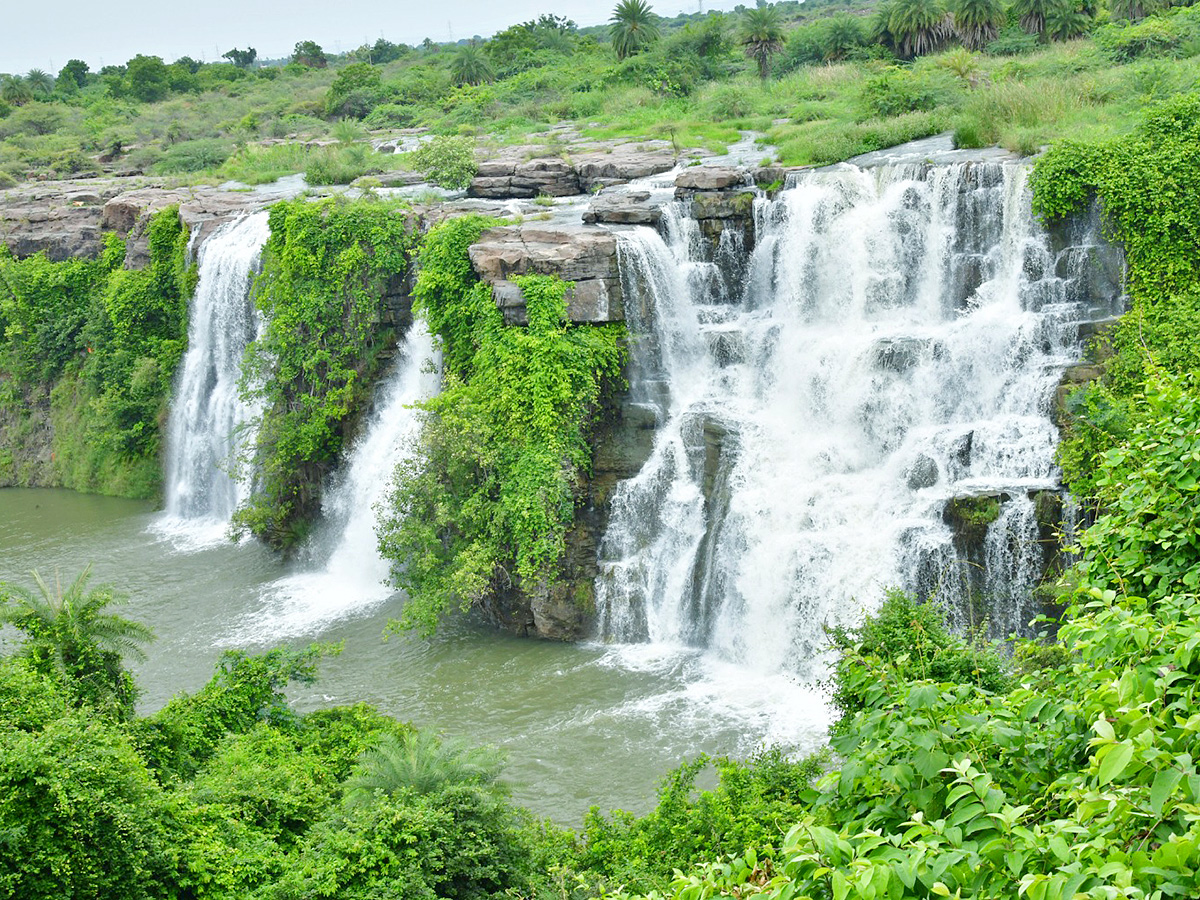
{"points": [[109, 32]]}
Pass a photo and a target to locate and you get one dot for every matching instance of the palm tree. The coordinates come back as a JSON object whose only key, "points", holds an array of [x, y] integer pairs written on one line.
{"points": [[14, 90], [471, 66], [1133, 10], [917, 26], [420, 762], [1032, 14], [843, 33], [70, 637], [1065, 20], [977, 21], [41, 84], [762, 36], [633, 27]]}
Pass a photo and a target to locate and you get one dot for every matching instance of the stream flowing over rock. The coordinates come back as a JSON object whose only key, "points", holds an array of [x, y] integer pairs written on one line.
{"points": [[893, 341]]}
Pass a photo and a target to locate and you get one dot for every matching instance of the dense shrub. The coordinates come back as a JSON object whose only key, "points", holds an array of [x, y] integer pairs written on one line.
{"points": [[327, 267], [486, 500]]}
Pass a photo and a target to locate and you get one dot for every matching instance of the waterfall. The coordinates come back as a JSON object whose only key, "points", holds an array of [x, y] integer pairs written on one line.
{"points": [[346, 574], [896, 343], [208, 418]]}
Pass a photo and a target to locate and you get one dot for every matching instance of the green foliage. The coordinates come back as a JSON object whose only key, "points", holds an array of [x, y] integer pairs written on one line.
{"points": [[355, 91], [446, 160], [633, 27], [1143, 182], [194, 156], [485, 502], [910, 640], [746, 810], [896, 91], [80, 815], [71, 638], [327, 267], [107, 341], [246, 690], [147, 78]]}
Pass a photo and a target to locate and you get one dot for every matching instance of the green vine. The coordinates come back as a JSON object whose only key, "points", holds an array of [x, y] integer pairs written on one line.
{"points": [[485, 504], [1147, 183], [326, 267], [102, 342]]}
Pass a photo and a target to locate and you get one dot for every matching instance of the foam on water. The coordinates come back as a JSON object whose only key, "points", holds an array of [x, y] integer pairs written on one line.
{"points": [[349, 577]]}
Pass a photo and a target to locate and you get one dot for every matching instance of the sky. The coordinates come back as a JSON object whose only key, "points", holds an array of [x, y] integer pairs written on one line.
{"points": [[111, 32]]}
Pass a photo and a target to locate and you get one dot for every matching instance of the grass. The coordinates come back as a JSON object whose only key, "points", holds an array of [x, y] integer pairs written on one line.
{"points": [[1085, 89]]}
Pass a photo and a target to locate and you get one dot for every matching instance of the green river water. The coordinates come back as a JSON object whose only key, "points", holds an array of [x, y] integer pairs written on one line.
{"points": [[582, 725]]}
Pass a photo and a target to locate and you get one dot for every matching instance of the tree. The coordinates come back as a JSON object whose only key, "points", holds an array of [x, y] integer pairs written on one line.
{"points": [[309, 53], [355, 91], [147, 78], [633, 27], [977, 21], [841, 34], [471, 66], [1032, 14], [762, 36], [15, 90], [41, 84], [1065, 20], [243, 59], [74, 72], [420, 762], [917, 26], [70, 637], [1133, 10], [384, 51]]}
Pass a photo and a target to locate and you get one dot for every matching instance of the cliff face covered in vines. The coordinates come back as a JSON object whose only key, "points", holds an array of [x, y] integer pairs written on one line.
{"points": [[87, 353]]}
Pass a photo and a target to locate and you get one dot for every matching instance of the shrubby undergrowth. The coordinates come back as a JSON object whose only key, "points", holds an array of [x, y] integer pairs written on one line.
{"points": [[486, 501], [92, 347], [326, 268]]}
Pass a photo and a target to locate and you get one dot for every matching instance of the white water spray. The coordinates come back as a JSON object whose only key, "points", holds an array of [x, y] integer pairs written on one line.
{"points": [[208, 425], [897, 344], [351, 577]]}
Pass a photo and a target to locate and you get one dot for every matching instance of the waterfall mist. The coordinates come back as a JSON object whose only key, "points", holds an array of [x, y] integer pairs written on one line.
{"points": [[893, 341], [209, 421]]}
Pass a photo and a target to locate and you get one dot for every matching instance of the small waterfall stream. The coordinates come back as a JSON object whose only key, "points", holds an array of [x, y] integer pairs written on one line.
{"points": [[208, 418], [896, 344], [346, 575]]}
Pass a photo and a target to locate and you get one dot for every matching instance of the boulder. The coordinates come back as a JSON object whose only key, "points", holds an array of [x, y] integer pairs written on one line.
{"points": [[61, 219], [723, 205], [587, 257], [510, 177], [708, 178], [201, 210], [625, 208]]}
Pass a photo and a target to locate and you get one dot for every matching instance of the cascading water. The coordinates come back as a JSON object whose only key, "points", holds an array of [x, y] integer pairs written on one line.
{"points": [[896, 345], [350, 576], [209, 418]]}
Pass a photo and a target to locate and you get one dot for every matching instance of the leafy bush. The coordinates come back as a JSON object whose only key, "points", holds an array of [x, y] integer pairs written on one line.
{"points": [[898, 91], [486, 500], [447, 161], [688, 825], [194, 156], [910, 639]]}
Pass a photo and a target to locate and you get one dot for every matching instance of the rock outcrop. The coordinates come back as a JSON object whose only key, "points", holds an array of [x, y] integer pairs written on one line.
{"points": [[577, 168], [586, 257], [68, 220]]}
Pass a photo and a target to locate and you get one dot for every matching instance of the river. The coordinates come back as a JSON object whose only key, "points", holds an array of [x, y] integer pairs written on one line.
{"points": [[582, 725]]}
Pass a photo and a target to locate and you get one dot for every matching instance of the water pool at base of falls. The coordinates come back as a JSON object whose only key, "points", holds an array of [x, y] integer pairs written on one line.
{"points": [[582, 725]]}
